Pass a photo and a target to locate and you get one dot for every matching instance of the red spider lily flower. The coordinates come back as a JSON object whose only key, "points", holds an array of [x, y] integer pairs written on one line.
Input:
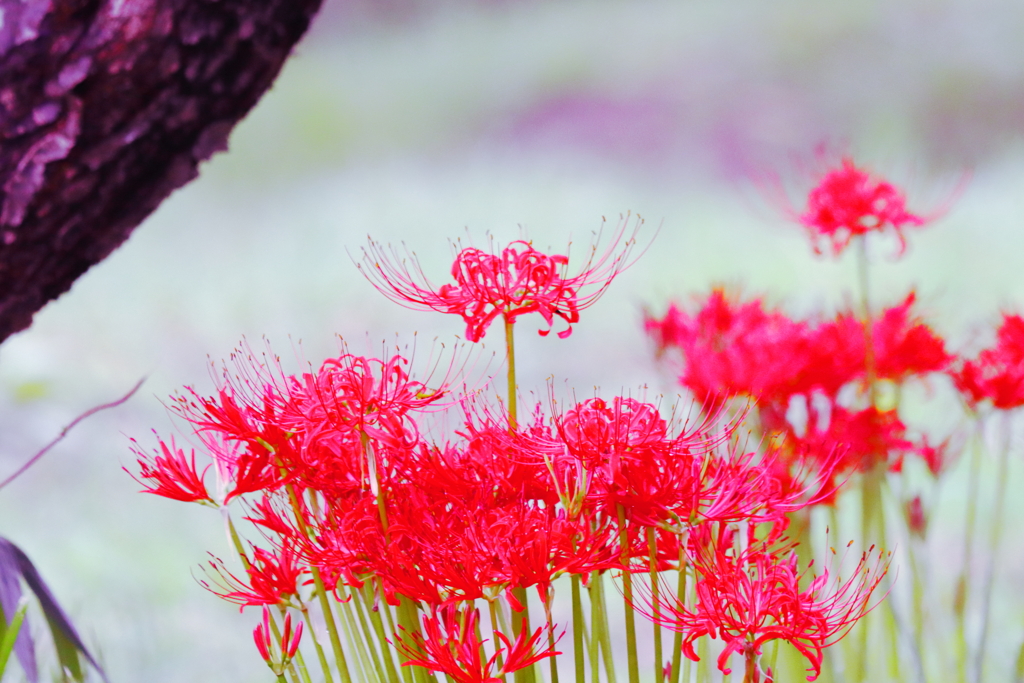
{"points": [[277, 652], [997, 374], [739, 349], [450, 645], [860, 439], [317, 430], [849, 202], [273, 579], [357, 394], [743, 486], [751, 596], [514, 282], [347, 543], [601, 454], [352, 413], [242, 435], [905, 346], [172, 475], [735, 349], [465, 547]]}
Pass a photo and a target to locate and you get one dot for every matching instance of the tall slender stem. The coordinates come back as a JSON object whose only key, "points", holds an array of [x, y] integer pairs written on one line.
{"points": [[677, 640], [607, 654], [995, 529], [374, 476], [321, 594], [296, 662], [960, 594], [409, 622], [492, 608], [552, 661], [863, 282], [383, 660], [236, 541], [321, 656], [577, 629], [595, 626], [510, 347], [750, 664], [360, 654], [870, 480], [652, 549], [520, 620], [627, 595], [407, 675], [521, 624]]}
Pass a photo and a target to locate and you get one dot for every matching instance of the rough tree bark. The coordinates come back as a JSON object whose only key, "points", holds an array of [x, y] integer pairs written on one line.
{"points": [[106, 107]]}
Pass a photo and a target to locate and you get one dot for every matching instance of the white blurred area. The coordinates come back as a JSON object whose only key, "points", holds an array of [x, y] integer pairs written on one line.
{"points": [[420, 122]]}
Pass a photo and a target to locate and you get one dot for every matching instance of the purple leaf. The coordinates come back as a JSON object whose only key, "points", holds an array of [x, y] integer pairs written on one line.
{"points": [[14, 564], [10, 594]]}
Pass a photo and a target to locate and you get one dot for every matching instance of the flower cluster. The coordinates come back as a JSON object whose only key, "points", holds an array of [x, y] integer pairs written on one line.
{"points": [[730, 349], [447, 524], [751, 593], [360, 498], [997, 374], [849, 202]]}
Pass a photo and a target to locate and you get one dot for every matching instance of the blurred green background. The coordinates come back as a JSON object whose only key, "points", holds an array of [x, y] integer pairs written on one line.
{"points": [[419, 120]]}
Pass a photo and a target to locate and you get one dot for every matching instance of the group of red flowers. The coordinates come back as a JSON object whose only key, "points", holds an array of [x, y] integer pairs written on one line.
{"points": [[352, 489]]}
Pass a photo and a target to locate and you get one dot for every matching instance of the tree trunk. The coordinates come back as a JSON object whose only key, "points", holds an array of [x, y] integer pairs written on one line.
{"points": [[106, 107]]}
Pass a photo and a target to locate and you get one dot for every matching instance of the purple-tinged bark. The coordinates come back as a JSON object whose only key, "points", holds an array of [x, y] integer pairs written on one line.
{"points": [[106, 107]]}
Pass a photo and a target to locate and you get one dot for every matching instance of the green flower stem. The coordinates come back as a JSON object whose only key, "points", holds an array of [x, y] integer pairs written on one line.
{"points": [[595, 626], [995, 532], [520, 620], [863, 282], [358, 601], [382, 638], [607, 654], [9, 631], [283, 611], [871, 518], [578, 630], [300, 662], [917, 600], [409, 621], [750, 666], [360, 658], [652, 549], [324, 664], [521, 624], [773, 659], [492, 609], [627, 596], [703, 654], [390, 622], [236, 541], [871, 481], [960, 594], [376, 490], [356, 631], [510, 346], [321, 594], [552, 661], [677, 640]]}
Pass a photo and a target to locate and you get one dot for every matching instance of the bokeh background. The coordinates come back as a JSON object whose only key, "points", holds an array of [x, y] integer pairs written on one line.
{"points": [[422, 120]]}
